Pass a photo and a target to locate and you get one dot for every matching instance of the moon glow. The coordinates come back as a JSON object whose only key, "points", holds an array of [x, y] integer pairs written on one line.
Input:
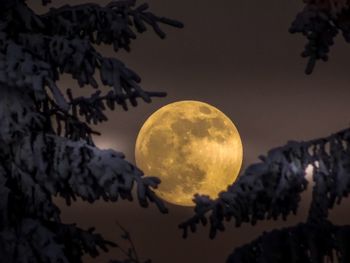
{"points": [[192, 147]]}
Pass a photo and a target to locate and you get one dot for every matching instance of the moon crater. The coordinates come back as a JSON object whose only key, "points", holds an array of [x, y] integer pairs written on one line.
{"points": [[192, 147]]}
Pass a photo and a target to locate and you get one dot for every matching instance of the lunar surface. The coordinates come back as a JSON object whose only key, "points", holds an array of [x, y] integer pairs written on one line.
{"points": [[192, 147]]}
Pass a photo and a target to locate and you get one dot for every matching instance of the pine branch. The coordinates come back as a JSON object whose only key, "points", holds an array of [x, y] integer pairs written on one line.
{"points": [[272, 188], [43, 241], [41, 158], [30, 241], [76, 169], [320, 22], [61, 55], [92, 108], [307, 243], [44, 54], [36, 73], [112, 24], [20, 69], [17, 116], [130, 253], [78, 242]]}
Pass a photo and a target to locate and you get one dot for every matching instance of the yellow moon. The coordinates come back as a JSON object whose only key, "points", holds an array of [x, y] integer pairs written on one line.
{"points": [[192, 147]]}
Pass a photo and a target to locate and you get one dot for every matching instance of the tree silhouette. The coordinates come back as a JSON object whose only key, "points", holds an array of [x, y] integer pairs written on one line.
{"points": [[304, 243], [320, 22], [46, 145], [130, 254], [272, 188]]}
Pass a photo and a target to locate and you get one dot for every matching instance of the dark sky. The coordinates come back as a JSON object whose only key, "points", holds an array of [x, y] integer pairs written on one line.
{"points": [[239, 57]]}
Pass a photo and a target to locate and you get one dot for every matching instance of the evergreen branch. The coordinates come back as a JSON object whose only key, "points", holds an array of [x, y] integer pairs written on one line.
{"points": [[39, 160], [112, 24], [93, 107], [271, 188], [73, 128], [36, 74], [30, 241], [131, 253], [75, 57], [320, 22], [307, 243], [76, 169], [34, 240], [80, 241], [20, 69]]}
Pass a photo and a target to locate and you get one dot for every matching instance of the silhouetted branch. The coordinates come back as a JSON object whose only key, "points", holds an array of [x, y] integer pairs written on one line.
{"points": [[271, 188], [320, 22], [304, 243], [112, 24], [46, 241], [46, 140], [74, 168], [130, 253], [45, 46]]}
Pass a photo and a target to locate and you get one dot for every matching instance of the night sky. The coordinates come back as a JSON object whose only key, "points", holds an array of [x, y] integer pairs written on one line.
{"points": [[239, 57]]}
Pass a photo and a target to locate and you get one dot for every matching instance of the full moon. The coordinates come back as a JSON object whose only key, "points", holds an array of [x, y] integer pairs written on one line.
{"points": [[192, 147]]}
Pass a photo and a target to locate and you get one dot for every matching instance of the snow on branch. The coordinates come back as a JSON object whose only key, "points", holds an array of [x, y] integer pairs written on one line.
{"points": [[75, 169], [36, 49], [272, 188], [302, 243], [130, 254], [21, 69], [44, 59], [111, 24], [36, 240], [320, 22], [41, 158]]}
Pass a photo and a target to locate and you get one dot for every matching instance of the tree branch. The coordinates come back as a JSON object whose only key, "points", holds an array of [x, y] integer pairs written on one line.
{"points": [[112, 24], [307, 243], [74, 168], [320, 22], [271, 188]]}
